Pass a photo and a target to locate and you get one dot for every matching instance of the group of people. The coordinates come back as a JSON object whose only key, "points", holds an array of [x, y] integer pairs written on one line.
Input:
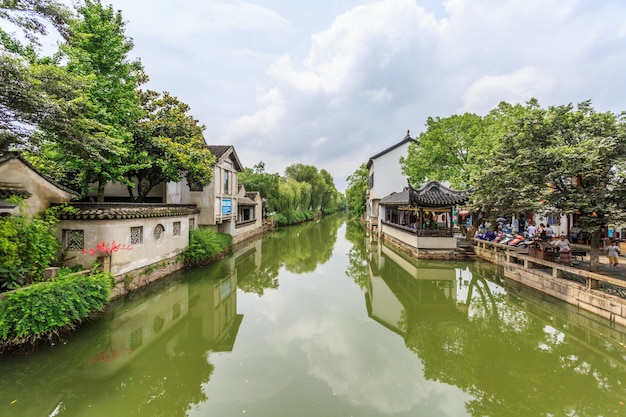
{"points": [[562, 245], [542, 231]]}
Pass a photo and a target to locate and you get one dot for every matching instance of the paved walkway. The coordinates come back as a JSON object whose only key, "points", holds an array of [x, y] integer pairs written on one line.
{"points": [[619, 272]]}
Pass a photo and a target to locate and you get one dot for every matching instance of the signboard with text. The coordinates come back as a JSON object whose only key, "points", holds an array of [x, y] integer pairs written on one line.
{"points": [[227, 204]]}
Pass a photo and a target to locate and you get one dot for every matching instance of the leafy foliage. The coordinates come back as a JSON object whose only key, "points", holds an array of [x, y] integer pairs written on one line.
{"points": [[356, 193], [204, 244], [518, 158], [36, 312], [168, 146], [256, 179], [27, 247], [99, 49]]}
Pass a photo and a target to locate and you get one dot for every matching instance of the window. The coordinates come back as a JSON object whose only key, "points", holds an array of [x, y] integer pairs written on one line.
{"points": [[136, 235], [136, 338], [159, 230], [73, 239], [194, 186], [192, 224], [175, 311], [176, 229], [226, 178], [370, 181]]}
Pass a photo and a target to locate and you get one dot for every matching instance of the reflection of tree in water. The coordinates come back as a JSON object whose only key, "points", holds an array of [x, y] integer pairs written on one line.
{"points": [[311, 244], [357, 255], [511, 364], [299, 249]]}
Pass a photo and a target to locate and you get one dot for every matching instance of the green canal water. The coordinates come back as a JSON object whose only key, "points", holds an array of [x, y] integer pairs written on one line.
{"points": [[322, 320]]}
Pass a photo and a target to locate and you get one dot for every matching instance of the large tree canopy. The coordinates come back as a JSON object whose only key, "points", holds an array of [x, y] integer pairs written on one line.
{"points": [[99, 48], [34, 90], [524, 158], [168, 146], [563, 159]]}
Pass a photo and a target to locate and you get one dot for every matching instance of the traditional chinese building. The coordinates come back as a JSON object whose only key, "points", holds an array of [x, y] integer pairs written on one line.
{"points": [[422, 219]]}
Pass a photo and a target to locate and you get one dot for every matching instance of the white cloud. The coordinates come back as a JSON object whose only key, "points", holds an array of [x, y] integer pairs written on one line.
{"points": [[516, 87], [331, 83]]}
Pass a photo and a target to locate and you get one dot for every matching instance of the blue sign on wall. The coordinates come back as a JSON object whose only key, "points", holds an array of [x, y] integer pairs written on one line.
{"points": [[227, 204]]}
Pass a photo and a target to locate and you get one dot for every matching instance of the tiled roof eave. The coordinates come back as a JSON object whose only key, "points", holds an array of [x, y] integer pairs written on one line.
{"points": [[123, 213]]}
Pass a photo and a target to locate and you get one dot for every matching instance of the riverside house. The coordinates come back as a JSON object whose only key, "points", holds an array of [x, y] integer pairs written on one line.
{"points": [[153, 233], [385, 177], [19, 178]]}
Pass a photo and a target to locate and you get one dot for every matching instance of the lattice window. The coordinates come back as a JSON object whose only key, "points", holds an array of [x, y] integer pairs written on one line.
{"points": [[176, 229], [159, 230], [136, 235], [136, 338], [176, 311], [192, 224], [73, 239]]}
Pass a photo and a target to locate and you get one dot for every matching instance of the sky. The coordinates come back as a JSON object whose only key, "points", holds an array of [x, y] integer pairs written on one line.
{"points": [[332, 83]]}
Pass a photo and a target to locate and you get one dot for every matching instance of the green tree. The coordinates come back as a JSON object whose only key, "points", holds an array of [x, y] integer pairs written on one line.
{"points": [[446, 151], [356, 192], [562, 159], [98, 48], [27, 247], [256, 179], [322, 185], [32, 16], [168, 146], [35, 91]]}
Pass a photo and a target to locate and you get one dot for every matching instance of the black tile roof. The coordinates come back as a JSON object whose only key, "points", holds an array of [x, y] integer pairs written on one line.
{"points": [[111, 211], [433, 194]]}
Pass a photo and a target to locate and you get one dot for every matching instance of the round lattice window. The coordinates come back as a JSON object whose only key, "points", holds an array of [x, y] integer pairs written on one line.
{"points": [[158, 231]]}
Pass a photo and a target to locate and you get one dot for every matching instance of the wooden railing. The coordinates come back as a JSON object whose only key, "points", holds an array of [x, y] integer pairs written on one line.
{"points": [[421, 232]]}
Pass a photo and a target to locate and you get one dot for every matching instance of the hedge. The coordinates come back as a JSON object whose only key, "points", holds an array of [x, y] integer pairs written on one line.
{"points": [[41, 310]]}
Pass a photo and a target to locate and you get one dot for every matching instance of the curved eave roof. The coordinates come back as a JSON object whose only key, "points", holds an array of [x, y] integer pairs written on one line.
{"points": [[433, 194]]}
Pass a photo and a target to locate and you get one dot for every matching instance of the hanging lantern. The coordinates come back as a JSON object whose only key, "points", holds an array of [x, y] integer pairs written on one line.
{"points": [[464, 213]]}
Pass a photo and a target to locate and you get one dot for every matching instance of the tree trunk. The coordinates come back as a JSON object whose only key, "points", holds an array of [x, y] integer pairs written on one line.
{"points": [[101, 185], [594, 254]]}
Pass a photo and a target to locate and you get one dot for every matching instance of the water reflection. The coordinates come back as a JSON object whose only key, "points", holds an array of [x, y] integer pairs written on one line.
{"points": [[322, 320], [173, 325], [514, 352]]}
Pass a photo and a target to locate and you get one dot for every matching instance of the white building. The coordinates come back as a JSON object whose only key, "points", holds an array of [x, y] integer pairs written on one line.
{"points": [[385, 177]]}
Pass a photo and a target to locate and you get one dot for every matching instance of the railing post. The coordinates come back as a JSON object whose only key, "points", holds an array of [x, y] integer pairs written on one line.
{"points": [[592, 284]]}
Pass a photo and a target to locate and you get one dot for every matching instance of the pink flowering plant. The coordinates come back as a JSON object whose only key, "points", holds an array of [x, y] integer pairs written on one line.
{"points": [[107, 248]]}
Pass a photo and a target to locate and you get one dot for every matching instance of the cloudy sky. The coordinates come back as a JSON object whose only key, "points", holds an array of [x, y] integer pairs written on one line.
{"points": [[331, 83]]}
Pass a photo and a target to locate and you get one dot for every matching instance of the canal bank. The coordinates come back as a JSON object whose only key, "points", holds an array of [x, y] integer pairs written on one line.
{"points": [[602, 293]]}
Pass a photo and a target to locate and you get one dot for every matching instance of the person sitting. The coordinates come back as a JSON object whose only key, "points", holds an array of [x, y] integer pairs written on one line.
{"points": [[490, 235], [565, 252]]}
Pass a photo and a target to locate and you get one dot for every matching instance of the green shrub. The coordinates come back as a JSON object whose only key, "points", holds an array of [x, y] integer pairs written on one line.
{"points": [[27, 247], [280, 219], [205, 244], [42, 309]]}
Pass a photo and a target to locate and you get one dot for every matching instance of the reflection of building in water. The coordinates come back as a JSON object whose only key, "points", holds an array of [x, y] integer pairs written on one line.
{"points": [[135, 328], [400, 292], [200, 312], [213, 315]]}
